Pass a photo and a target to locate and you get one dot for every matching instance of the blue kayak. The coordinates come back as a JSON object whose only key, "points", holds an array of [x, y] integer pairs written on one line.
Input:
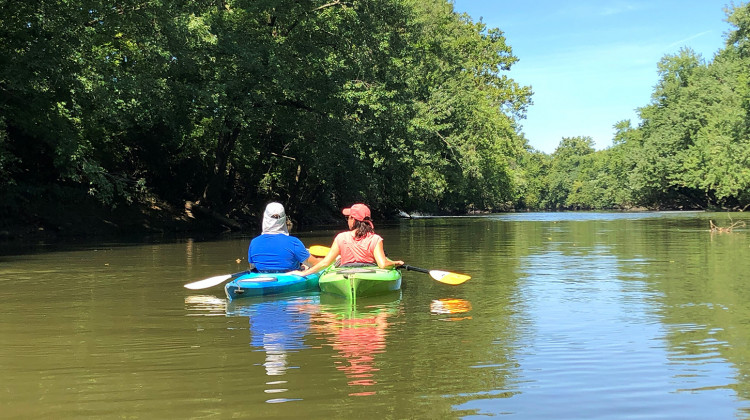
{"points": [[260, 284]]}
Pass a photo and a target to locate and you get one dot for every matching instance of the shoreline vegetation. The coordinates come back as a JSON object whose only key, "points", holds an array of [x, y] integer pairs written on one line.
{"points": [[172, 117], [95, 222]]}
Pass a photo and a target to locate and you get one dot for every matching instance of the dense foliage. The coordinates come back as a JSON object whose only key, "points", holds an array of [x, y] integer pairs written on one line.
{"points": [[399, 103], [403, 104]]}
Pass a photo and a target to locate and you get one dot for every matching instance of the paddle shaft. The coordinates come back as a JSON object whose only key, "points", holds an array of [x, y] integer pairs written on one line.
{"points": [[237, 274], [317, 250], [240, 273], [412, 268], [441, 276]]}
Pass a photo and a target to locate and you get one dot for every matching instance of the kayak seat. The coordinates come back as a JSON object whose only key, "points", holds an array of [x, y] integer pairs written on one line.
{"points": [[356, 271], [258, 280]]}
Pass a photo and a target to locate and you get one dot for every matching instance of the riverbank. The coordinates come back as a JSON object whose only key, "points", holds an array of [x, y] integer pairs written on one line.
{"points": [[87, 220]]}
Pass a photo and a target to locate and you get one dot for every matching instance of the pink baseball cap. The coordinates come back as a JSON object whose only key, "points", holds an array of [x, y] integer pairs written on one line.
{"points": [[357, 211]]}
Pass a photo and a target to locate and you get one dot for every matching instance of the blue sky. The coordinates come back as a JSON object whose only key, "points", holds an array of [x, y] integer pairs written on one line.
{"points": [[592, 63]]}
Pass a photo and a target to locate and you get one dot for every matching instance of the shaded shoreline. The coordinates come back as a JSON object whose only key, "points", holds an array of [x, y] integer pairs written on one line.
{"points": [[167, 222]]}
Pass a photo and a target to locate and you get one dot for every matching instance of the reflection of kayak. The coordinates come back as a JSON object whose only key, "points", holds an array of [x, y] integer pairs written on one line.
{"points": [[364, 307], [205, 305], [358, 332], [278, 327], [259, 284], [352, 282]]}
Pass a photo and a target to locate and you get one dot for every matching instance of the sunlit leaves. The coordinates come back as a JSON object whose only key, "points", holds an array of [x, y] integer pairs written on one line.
{"points": [[401, 103]]}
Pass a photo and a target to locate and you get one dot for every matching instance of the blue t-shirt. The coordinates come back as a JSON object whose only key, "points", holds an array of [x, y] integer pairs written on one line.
{"points": [[276, 252]]}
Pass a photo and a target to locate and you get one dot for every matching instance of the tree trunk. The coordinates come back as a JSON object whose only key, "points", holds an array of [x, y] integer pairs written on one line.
{"points": [[215, 191]]}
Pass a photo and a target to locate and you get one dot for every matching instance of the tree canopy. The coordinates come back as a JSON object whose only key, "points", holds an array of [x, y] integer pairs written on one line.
{"points": [[398, 103], [402, 104]]}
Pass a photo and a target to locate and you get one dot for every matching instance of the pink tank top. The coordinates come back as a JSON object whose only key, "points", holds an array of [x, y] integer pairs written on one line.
{"points": [[357, 251]]}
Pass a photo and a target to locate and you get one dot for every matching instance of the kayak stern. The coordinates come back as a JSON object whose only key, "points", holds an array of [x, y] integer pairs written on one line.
{"points": [[353, 282]]}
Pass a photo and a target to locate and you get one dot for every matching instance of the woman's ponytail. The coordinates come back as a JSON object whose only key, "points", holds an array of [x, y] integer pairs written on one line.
{"points": [[363, 228]]}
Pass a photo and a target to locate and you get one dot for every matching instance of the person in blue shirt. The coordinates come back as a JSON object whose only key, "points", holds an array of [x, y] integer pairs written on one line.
{"points": [[274, 250]]}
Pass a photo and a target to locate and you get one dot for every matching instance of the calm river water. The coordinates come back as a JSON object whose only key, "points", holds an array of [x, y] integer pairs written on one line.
{"points": [[567, 316]]}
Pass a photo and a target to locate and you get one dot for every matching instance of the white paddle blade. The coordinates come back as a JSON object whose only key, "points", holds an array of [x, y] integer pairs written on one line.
{"points": [[448, 277], [206, 283]]}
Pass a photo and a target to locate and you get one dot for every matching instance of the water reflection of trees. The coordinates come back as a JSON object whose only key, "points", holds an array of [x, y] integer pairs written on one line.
{"points": [[699, 286], [706, 301], [697, 283]]}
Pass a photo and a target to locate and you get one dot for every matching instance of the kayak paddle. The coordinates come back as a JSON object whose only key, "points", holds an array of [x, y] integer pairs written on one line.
{"points": [[316, 250], [442, 276], [213, 281], [319, 250]]}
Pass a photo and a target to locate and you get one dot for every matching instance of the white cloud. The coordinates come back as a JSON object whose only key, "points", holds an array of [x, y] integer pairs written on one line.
{"points": [[683, 42]]}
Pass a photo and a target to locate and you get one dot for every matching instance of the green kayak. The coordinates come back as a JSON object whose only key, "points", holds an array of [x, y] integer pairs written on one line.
{"points": [[352, 282]]}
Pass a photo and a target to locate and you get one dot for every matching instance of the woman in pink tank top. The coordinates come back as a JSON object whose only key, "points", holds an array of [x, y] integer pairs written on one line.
{"points": [[359, 245]]}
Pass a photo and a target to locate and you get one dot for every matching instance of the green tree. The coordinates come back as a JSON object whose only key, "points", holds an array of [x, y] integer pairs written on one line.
{"points": [[570, 157], [530, 176], [463, 133], [668, 128], [400, 103]]}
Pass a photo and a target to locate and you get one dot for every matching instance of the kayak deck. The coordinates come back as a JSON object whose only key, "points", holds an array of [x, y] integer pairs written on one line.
{"points": [[261, 284], [351, 282]]}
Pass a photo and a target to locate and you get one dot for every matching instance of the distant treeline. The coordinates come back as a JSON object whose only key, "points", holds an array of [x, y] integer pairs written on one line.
{"points": [[691, 149], [402, 104]]}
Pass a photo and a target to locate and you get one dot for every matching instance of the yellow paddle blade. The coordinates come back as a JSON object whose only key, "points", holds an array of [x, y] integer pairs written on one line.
{"points": [[448, 277], [319, 250]]}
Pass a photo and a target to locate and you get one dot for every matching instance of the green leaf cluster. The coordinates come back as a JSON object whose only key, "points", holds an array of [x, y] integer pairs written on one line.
{"points": [[403, 104], [230, 103]]}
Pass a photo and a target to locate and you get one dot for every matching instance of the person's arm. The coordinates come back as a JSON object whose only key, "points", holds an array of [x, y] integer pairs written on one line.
{"points": [[250, 258], [303, 255], [325, 262], [311, 261], [382, 260]]}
